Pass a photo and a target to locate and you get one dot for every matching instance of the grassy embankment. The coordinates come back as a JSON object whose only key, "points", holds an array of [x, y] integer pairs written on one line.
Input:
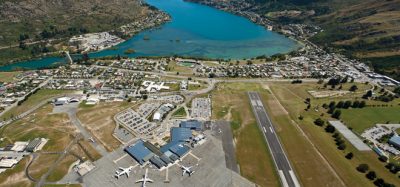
{"points": [[292, 98], [180, 112]]}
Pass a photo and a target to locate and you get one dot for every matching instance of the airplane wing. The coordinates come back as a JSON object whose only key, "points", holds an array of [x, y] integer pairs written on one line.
{"points": [[127, 174], [121, 168], [149, 180], [183, 172], [140, 180]]}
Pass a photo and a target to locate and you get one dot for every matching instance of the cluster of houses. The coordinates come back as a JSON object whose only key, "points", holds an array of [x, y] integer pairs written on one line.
{"points": [[22, 85], [153, 19], [94, 41]]}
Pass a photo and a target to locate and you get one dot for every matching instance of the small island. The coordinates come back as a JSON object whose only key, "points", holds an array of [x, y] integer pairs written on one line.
{"points": [[129, 51]]}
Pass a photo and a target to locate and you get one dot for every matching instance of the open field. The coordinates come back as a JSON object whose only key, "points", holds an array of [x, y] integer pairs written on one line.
{"points": [[361, 119], [34, 100], [292, 98], [61, 169], [257, 166], [8, 76], [55, 127], [99, 120], [174, 67]]}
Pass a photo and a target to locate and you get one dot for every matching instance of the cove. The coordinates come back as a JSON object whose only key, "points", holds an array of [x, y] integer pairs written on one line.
{"points": [[195, 31]]}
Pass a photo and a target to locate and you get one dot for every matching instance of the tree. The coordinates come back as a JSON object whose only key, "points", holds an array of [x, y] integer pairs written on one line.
{"points": [[347, 104], [349, 155], [332, 104], [336, 114], [363, 168], [356, 104], [340, 104], [383, 158], [362, 104], [397, 90], [319, 122], [368, 94], [353, 88], [342, 146], [371, 175], [379, 182], [329, 128]]}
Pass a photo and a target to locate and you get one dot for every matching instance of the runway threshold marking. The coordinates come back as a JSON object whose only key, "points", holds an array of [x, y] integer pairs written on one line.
{"points": [[294, 178], [265, 130], [284, 182], [270, 128]]}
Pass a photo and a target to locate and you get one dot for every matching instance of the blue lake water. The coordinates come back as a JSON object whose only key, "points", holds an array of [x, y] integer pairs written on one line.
{"points": [[195, 30]]}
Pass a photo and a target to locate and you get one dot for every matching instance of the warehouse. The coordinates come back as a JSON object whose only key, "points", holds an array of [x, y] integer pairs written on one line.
{"points": [[395, 141]]}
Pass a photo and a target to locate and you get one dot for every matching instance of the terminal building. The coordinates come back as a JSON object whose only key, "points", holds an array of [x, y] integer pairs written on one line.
{"points": [[144, 152]]}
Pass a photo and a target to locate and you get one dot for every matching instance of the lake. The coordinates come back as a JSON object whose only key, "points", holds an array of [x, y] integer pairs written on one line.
{"points": [[194, 31]]}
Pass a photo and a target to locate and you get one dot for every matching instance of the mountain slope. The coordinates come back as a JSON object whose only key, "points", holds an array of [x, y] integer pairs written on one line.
{"points": [[369, 30], [31, 17]]}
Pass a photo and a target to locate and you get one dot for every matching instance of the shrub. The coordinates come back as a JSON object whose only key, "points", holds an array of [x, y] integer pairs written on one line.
{"points": [[349, 155], [362, 168], [371, 175], [319, 122]]}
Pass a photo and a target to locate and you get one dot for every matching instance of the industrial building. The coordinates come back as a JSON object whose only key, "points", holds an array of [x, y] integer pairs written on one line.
{"points": [[36, 144], [395, 141]]}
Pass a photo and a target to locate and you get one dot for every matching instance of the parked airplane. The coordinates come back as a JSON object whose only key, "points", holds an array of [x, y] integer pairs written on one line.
{"points": [[144, 180], [123, 171], [186, 170]]}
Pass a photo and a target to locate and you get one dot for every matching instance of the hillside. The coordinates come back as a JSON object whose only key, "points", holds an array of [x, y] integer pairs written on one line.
{"points": [[368, 30], [44, 18]]}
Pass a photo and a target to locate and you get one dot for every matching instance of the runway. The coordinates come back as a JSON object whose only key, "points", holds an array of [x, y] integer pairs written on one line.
{"points": [[285, 171]]}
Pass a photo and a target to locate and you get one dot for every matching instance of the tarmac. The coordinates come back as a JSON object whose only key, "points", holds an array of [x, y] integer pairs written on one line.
{"points": [[285, 171], [208, 161]]}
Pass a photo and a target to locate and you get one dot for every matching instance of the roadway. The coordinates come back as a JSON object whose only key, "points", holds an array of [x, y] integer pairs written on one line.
{"points": [[282, 164]]}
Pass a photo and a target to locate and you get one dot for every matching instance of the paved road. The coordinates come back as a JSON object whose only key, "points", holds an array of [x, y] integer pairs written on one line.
{"points": [[285, 171]]}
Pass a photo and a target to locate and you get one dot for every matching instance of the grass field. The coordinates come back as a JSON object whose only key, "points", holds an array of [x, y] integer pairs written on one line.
{"points": [[61, 169], [34, 100], [174, 67], [62, 185], [99, 120], [361, 119], [8, 76], [257, 166], [292, 98]]}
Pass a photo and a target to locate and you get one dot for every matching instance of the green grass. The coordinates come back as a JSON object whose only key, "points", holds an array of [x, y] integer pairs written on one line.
{"points": [[361, 119], [293, 101], [8, 76], [33, 100], [180, 112]]}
